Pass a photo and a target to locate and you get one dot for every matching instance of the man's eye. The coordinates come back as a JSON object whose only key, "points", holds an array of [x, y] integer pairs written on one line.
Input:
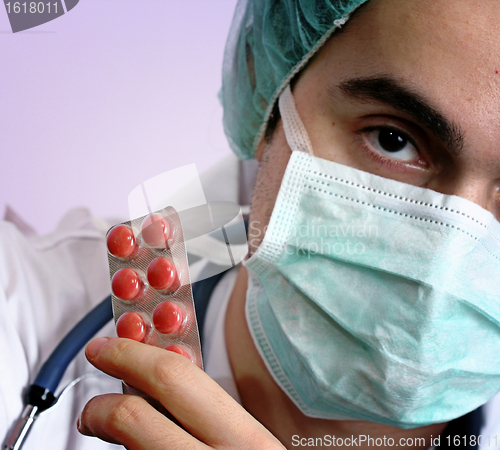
{"points": [[391, 143]]}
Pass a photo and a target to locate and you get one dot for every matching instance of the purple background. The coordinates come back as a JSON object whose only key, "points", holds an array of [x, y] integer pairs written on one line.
{"points": [[107, 96]]}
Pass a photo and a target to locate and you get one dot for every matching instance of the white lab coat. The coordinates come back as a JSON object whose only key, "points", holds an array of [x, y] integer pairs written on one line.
{"points": [[47, 285]]}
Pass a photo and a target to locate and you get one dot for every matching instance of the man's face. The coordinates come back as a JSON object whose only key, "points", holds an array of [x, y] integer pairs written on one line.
{"points": [[409, 91]]}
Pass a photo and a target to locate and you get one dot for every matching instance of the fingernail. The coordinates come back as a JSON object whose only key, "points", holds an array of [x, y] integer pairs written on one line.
{"points": [[94, 347], [82, 430]]}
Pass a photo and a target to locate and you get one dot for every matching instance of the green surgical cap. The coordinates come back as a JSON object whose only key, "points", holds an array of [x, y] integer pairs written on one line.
{"points": [[269, 42]]}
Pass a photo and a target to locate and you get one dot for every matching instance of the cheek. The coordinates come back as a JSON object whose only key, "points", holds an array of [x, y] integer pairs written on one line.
{"points": [[271, 170]]}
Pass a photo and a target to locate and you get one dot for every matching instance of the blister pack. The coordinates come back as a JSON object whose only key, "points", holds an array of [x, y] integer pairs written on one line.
{"points": [[151, 289]]}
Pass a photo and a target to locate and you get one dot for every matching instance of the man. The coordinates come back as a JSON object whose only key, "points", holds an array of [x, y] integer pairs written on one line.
{"points": [[408, 91]]}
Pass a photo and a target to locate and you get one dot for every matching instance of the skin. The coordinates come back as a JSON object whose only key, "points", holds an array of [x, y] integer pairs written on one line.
{"points": [[447, 54]]}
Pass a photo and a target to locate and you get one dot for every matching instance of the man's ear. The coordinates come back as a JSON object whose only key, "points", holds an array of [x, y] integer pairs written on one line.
{"points": [[251, 74]]}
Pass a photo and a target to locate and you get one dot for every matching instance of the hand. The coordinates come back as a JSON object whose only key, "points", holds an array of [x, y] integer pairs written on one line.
{"points": [[209, 417]]}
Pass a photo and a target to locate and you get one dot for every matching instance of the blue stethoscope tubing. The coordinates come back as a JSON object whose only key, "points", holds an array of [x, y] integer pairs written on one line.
{"points": [[53, 369], [41, 394]]}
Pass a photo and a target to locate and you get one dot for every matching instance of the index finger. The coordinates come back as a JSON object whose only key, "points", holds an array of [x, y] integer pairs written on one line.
{"points": [[202, 407]]}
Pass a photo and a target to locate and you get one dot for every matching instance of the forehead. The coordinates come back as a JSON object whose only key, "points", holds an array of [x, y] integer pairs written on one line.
{"points": [[439, 38], [448, 51]]}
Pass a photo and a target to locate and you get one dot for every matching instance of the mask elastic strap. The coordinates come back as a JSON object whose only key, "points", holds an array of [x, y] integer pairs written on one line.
{"points": [[295, 132]]}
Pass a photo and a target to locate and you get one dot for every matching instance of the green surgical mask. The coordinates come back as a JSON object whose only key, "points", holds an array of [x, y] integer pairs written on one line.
{"points": [[370, 299]]}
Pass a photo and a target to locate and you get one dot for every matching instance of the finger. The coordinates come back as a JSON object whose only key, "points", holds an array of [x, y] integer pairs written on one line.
{"points": [[195, 400], [131, 421]]}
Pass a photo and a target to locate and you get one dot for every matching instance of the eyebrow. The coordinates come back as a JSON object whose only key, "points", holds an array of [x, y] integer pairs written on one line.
{"points": [[382, 89]]}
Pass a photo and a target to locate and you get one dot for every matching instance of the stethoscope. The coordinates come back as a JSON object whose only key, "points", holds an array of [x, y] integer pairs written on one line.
{"points": [[197, 221], [40, 396]]}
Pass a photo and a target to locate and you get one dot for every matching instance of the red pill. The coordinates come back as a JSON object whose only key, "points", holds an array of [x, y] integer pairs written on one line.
{"points": [[168, 317], [121, 242], [131, 325], [162, 275], [156, 230], [126, 284], [178, 349]]}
